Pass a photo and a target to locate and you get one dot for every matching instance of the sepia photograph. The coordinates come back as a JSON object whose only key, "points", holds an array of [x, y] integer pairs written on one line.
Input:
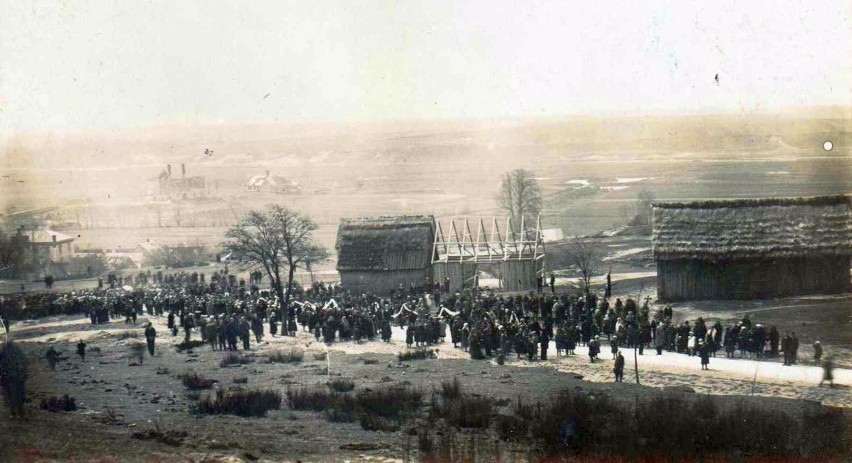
{"points": [[445, 231]]}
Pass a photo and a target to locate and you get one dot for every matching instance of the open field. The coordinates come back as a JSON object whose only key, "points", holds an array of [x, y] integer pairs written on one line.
{"points": [[118, 399]]}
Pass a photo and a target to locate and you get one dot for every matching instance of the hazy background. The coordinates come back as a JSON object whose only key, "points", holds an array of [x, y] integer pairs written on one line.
{"points": [[414, 107]]}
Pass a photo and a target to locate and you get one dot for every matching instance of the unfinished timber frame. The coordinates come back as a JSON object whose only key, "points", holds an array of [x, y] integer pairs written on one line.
{"points": [[516, 258]]}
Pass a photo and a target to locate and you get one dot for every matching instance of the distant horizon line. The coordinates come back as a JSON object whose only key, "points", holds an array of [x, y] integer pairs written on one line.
{"points": [[796, 112]]}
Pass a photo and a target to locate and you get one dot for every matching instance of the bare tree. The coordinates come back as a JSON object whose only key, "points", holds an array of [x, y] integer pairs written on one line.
{"points": [[520, 195], [644, 214], [14, 253], [587, 259], [278, 241]]}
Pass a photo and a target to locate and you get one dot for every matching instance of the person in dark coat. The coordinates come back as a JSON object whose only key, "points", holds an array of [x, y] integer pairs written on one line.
{"points": [[618, 368], [13, 378], [150, 337], [544, 339], [81, 350], [52, 356], [786, 343], [794, 348], [817, 353], [704, 353], [257, 329], [594, 349]]}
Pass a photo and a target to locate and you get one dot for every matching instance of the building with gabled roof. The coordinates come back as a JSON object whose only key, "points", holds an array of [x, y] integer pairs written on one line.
{"points": [[379, 254], [752, 248]]}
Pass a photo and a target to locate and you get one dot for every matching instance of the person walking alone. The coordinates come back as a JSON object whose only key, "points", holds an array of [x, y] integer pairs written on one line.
{"points": [[150, 337]]}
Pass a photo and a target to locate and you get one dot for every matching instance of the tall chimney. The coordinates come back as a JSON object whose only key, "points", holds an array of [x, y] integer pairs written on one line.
{"points": [[169, 166], [267, 173], [54, 238], [183, 170]]}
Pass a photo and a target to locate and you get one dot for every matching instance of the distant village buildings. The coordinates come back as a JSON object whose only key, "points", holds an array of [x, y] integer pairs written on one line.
{"points": [[183, 187], [268, 183], [752, 248]]}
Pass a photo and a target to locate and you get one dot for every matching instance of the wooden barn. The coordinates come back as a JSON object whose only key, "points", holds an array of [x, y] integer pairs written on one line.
{"points": [[379, 254], [752, 248]]}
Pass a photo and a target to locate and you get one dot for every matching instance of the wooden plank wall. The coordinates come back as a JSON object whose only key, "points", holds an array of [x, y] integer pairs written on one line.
{"points": [[380, 282], [692, 279]]}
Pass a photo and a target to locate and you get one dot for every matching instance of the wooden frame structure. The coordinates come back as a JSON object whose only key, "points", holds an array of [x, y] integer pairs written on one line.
{"points": [[517, 257]]}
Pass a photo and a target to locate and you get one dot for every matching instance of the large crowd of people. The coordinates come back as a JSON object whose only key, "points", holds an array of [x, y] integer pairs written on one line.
{"points": [[227, 313]]}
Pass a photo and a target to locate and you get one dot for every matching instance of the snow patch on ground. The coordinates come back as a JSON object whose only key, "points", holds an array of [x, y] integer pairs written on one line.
{"points": [[625, 252], [631, 179]]}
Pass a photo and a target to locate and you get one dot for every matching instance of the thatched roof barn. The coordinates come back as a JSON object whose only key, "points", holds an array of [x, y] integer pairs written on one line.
{"points": [[378, 254], [754, 248]]}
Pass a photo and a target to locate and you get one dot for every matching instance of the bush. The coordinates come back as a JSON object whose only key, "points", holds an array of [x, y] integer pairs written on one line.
{"points": [[381, 410], [321, 356], [290, 356], [188, 345], [65, 403], [393, 402], [194, 382], [463, 411], [451, 389], [416, 354], [304, 399], [234, 359], [576, 423], [378, 423], [341, 385], [511, 427], [162, 434], [241, 403]]}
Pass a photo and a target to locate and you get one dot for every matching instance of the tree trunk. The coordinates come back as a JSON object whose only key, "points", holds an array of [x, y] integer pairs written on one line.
{"points": [[290, 275]]}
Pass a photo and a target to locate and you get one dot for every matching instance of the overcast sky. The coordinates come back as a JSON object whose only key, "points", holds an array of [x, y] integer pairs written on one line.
{"points": [[99, 64]]}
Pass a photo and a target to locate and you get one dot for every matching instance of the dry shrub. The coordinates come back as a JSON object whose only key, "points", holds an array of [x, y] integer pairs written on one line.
{"points": [[309, 399], [240, 402], [463, 411], [65, 403], [188, 345], [380, 410], [195, 382], [234, 359], [451, 389], [161, 433], [289, 356], [416, 354], [321, 356], [341, 385]]}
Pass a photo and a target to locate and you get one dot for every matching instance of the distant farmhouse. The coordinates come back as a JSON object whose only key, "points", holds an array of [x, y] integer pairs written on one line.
{"points": [[273, 184], [183, 187], [380, 254], [752, 249], [51, 249]]}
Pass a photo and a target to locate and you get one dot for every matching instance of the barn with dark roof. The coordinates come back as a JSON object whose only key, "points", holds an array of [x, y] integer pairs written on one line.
{"points": [[381, 253], [752, 248]]}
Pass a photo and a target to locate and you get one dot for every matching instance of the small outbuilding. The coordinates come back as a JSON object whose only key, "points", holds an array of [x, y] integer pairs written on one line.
{"points": [[380, 254], [752, 248]]}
